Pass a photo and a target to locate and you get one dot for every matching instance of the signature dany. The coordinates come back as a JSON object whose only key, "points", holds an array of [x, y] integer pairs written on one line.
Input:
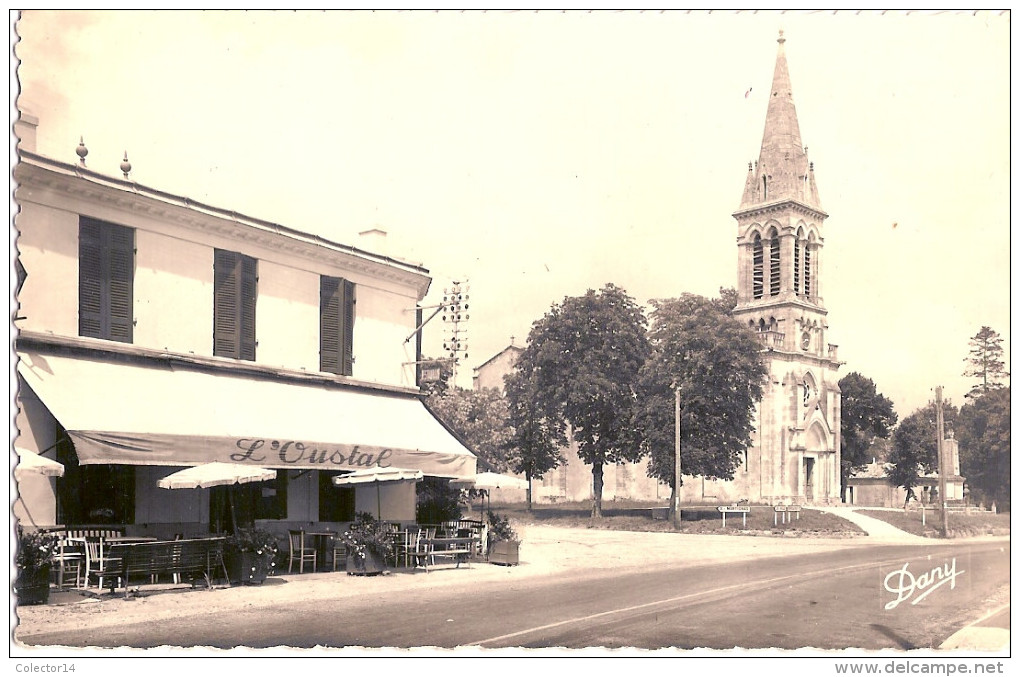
{"points": [[904, 584]]}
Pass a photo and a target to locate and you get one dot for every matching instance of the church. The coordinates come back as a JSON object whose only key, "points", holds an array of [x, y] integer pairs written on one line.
{"points": [[794, 454]]}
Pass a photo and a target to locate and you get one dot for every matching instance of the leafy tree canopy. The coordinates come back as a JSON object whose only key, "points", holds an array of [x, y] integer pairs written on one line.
{"points": [[915, 444], [717, 363], [480, 418], [532, 447], [985, 361], [581, 368], [983, 432], [865, 415]]}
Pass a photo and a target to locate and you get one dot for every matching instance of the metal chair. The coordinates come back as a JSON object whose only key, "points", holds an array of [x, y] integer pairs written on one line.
{"points": [[299, 552]]}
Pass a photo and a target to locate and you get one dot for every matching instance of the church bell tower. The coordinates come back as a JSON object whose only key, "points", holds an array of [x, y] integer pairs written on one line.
{"points": [[780, 239]]}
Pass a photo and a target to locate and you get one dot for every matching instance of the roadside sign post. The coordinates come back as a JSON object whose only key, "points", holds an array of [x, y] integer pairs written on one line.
{"points": [[742, 509]]}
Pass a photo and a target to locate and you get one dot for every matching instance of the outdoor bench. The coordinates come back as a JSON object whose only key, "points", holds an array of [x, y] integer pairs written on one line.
{"points": [[458, 549], [194, 557]]}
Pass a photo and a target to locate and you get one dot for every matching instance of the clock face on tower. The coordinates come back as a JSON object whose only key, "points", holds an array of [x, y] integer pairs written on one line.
{"points": [[805, 341]]}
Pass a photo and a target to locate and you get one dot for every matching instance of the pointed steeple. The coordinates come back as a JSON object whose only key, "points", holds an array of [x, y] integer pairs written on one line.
{"points": [[783, 170]]}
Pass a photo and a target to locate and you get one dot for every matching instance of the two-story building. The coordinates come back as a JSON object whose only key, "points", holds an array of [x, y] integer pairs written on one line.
{"points": [[157, 333]]}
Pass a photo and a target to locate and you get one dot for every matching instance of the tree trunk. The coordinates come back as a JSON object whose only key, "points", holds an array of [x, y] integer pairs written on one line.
{"points": [[596, 505], [527, 476], [671, 514]]}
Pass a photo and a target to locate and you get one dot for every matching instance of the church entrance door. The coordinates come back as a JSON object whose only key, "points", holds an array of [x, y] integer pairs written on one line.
{"points": [[809, 478]]}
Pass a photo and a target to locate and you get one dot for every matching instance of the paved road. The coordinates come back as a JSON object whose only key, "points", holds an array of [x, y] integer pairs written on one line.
{"points": [[863, 598]]}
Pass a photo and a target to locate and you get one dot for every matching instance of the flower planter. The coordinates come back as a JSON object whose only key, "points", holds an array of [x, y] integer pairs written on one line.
{"points": [[370, 565], [33, 587], [505, 552], [246, 568]]}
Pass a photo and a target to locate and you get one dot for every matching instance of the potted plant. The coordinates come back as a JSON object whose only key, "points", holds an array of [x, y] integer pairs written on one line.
{"points": [[250, 555], [503, 544], [368, 545], [36, 550]]}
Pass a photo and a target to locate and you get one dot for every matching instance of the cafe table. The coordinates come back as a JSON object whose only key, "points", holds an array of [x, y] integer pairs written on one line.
{"points": [[323, 544]]}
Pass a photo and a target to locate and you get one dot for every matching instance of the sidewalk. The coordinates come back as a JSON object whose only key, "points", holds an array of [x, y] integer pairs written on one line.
{"points": [[545, 551], [875, 528]]}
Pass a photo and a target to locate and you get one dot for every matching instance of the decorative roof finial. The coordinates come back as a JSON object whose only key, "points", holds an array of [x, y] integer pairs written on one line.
{"points": [[125, 166], [82, 151], [781, 39]]}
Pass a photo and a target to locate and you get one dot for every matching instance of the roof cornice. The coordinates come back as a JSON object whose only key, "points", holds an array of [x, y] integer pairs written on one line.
{"points": [[778, 206], [84, 184]]}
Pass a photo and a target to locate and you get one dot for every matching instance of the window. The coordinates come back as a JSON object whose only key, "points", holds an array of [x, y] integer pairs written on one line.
{"points": [[235, 287], [808, 291], [758, 271], [774, 267], [336, 504], [93, 494], [271, 502], [106, 271], [796, 265], [336, 325]]}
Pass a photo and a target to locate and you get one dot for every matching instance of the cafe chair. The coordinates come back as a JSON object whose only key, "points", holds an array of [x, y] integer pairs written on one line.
{"points": [[404, 546], [95, 560], [299, 552], [70, 557], [339, 553]]}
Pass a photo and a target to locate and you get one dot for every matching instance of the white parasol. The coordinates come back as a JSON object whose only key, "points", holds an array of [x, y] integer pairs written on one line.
{"points": [[487, 481], [217, 475], [31, 463], [377, 477]]}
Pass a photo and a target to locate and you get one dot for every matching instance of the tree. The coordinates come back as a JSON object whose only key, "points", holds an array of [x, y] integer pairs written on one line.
{"points": [[985, 361], [582, 362], [480, 419], [915, 445], [865, 415], [532, 447], [983, 432], [716, 361]]}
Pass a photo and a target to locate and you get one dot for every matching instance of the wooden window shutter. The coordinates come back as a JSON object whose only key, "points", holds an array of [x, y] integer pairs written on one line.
{"points": [[347, 333], [90, 279], [225, 295], [249, 296], [234, 296], [226, 304], [106, 271], [329, 324], [419, 314], [121, 282]]}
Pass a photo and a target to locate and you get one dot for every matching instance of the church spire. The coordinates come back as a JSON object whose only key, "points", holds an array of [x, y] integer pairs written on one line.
{"points": [[782, 171]]}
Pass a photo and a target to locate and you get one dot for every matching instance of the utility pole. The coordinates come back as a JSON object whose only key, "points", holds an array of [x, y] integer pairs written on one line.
{"points": [[940, 449], [676, 477]]}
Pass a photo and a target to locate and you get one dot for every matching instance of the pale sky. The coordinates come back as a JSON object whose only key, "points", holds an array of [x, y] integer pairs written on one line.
{"points": [[538, 155]]}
